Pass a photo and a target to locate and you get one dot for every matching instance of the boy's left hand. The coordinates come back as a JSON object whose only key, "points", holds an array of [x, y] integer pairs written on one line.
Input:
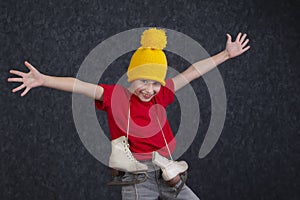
{"points": [[237, 47]]}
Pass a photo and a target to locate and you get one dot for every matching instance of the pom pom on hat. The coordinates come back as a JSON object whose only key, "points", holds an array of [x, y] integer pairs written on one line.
{"points": [[154, 38]]}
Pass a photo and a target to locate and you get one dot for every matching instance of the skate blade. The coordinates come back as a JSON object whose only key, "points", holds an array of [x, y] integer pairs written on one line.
{"points": [[139, 172], [122, 170], [117, 180]]}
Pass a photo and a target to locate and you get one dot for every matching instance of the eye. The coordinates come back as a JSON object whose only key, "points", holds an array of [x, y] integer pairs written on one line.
{"points": [[144, 81], [156, 83]]}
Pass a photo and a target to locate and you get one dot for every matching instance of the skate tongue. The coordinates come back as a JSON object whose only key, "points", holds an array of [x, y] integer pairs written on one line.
{"points": [[155, 155], [160, 160]]}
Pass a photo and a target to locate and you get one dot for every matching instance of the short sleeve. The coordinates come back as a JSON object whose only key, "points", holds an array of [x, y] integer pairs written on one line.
{"points": [[106, 101], [166, 94]]}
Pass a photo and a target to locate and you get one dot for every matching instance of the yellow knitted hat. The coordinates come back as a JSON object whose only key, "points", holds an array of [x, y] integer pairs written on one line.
{"points": [[149, 61]]}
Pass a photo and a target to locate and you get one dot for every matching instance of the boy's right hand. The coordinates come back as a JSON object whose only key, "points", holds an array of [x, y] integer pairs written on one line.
{"points": [[30, 80]]}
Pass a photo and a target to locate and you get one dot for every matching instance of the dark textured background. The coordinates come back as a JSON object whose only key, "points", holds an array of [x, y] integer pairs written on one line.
{"points": [[257, 156]]}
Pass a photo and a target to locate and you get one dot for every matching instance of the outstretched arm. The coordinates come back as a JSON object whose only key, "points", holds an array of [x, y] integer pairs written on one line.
{"points": [[34, 79], [199, 68]]}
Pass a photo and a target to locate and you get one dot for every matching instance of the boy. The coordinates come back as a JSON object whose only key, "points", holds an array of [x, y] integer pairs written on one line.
{"points": [[139, 121]]}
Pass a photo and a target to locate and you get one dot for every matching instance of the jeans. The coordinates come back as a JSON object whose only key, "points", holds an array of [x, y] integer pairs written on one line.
{"points": [[154, 187]]}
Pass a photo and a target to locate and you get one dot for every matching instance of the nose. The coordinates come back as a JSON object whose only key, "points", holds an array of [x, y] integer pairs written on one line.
{"points": [[149, 88]]}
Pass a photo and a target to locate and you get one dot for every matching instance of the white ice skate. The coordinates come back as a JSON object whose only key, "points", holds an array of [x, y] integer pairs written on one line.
{"points": [[121, 160], [170, 169]]}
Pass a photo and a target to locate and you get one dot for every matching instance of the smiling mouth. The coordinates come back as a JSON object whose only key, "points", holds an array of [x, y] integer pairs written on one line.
{"points": [[147, 95]]}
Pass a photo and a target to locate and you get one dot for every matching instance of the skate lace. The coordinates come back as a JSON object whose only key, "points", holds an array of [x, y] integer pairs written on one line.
{"points": [[125, 143], [127, 151], [163, 134]]}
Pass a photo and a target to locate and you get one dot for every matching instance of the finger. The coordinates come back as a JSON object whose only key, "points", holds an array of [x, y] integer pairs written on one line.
{"points": [[25, 92], [246, 49], [228, 38], [18, 88], [245, 43], [243, 37], [17, 73], [238, 37], [29, 66], [15, 80]]}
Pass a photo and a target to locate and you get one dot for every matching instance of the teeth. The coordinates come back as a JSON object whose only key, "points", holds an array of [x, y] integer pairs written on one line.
{"points": [[146, 95]]}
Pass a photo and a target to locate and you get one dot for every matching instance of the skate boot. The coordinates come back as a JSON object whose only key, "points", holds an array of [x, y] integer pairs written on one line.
{"points": [[173, 172], [121, 160], [170, 169]]}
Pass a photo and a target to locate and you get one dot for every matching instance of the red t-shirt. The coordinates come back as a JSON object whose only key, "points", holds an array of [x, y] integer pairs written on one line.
{"points": [[146, 118]]}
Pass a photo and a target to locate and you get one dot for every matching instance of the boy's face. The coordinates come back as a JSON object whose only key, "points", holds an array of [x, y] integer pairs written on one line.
{"points": [[145, 89]]}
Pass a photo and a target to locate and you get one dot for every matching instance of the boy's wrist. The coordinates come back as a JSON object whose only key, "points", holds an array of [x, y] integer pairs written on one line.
{"points": [[225, 55], [44, 79]]}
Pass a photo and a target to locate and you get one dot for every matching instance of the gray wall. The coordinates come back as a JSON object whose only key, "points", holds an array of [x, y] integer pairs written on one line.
{"points": [[42, 156]]}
